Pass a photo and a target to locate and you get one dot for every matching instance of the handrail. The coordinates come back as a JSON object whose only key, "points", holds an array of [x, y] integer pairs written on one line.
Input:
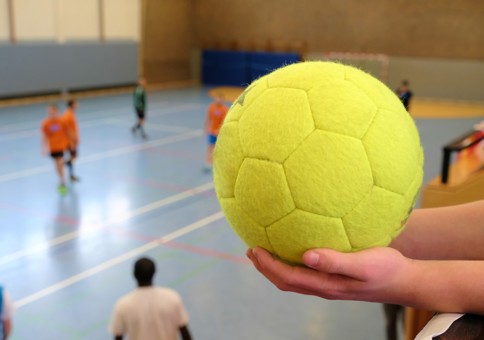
{"points": [[465, 141]]}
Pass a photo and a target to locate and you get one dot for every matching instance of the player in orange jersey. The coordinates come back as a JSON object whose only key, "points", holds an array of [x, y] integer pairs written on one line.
{"points": [[56, 138], [70, 121], [215, 117]]}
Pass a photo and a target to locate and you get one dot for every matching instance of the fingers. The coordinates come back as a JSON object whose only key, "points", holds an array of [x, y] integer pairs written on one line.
{"points": [[300, 279], [354, 265], [367, 275], [277, 272]]}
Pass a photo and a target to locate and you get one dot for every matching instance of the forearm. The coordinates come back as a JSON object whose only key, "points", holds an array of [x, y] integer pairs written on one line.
{"points": [[44, 144], [7, 328], [445, 286], [454, 233]]}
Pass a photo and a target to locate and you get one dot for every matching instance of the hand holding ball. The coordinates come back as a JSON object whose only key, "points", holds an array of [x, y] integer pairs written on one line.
{"points": [[317, 155]]}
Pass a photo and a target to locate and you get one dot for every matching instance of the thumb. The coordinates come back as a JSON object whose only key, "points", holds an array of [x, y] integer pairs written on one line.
{"points": [[330, 261]]}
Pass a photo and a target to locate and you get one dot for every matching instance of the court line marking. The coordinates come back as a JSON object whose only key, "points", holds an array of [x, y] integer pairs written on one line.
{"points": [[152, 108], [32, 132], [118, 259], [106, 154], [103, 225], [149, 126], [93, 123]]}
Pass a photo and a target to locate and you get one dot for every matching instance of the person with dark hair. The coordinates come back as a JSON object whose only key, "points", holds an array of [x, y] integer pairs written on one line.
{"points": [[139, 98], [6, 313], [71, 123], [149, 312], [404, 93], [56, 138]]}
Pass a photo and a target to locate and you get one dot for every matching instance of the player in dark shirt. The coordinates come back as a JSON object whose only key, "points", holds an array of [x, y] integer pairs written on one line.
{"points": [[139, 98], [404, 93]]}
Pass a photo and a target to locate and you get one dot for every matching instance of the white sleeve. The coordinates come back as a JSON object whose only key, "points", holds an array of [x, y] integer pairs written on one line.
{"points": [[7, 309], [182, 313], [117, 326]]}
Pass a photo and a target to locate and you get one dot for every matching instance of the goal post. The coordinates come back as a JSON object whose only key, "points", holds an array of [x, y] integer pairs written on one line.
{"points": [[375, 64]]}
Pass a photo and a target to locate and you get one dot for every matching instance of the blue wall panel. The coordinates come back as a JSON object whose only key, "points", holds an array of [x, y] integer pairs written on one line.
{"points": [[224, 68], [241, 68], [261, 63]]}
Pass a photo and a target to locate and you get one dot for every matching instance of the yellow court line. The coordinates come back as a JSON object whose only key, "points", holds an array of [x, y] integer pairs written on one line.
{"points": [[434, 108]]}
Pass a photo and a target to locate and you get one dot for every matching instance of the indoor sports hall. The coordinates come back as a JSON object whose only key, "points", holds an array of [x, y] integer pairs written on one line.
{"points": [[67, 256]]}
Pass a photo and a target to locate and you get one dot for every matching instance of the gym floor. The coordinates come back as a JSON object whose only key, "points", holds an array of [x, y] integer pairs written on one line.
{"points": [[66, 260]]}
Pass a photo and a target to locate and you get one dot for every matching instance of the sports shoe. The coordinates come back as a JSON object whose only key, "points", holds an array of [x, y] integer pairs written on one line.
{"points": [[75, 178], [62, 190]]}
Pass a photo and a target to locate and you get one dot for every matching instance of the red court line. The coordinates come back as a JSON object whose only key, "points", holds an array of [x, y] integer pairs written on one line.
{"points": [[106, 142], [156, 184], [72, 222], [176, 154], [178, 245], [39, 213]]}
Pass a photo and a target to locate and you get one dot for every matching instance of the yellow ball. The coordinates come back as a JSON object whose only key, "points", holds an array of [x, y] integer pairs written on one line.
{"points": [[317, 155]]}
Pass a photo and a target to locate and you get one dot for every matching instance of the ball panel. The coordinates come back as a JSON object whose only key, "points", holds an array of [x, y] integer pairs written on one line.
{"points": [[379, 93], [246, 99], [252, 233], [261, 189], [392, 145], [275, 124], [378, 215], [299, 231], [315, 164], [227, 159], [341, 107], [328, 174], [412, 193], [305, 75]]}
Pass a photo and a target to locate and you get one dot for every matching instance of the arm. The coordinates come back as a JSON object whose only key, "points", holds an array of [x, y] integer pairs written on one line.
{"points": [[185, 333], [448, 233], [7, 314], [7, 328], [117, 325], [44, 144], [207, 121], [385, 275], [71, 137]]}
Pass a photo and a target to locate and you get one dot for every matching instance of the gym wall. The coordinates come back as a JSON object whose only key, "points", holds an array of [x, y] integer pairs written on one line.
{"points": [[431, 28], [437, 45], [63, 45]]}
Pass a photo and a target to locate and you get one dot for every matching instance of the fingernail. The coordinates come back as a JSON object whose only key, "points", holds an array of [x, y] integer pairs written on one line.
{"points": [[255, 253], [312, 259]]}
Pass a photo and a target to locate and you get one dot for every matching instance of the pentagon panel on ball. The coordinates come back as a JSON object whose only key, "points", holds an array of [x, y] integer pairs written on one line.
{"points": [[317, 155]]}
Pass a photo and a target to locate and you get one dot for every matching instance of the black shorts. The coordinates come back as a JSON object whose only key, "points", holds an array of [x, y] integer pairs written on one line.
{"points": [[140, 113], [73, 152], [57, 154]]}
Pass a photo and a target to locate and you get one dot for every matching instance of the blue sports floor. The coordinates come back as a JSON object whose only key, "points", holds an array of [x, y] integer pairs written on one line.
{"points": [[66, 260]]}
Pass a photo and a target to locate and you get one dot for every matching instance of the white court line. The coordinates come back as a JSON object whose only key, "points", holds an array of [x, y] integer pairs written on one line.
{"points": [[36, 132], [123, 217], [117, 260], [105, 154], [101, 121], [150, 126], [139, 147], [30, 131]]}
